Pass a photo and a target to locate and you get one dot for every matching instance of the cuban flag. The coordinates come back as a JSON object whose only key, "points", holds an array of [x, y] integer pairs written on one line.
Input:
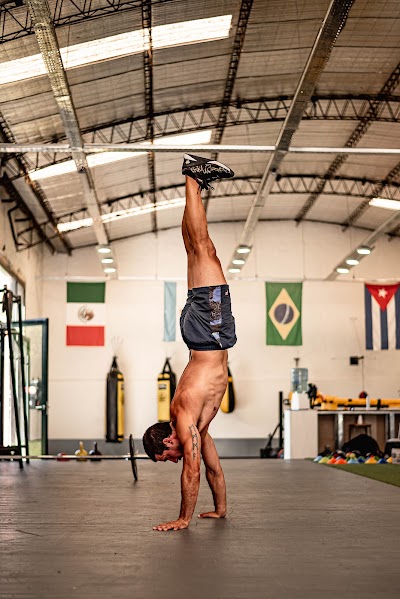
{"points": [[382, 316]]}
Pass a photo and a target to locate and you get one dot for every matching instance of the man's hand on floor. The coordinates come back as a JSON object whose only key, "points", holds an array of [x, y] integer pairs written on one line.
{"points": [[173, 525]]}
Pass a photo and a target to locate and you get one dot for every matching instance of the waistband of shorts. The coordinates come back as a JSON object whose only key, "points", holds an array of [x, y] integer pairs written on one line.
{"points": [[225, 286]]}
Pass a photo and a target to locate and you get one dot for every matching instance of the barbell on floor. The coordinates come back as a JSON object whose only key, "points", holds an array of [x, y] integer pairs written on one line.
{"points": [[132, 456]]}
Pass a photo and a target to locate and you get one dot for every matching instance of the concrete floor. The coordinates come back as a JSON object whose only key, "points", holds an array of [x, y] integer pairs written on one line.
{"points": [[295, 529]]}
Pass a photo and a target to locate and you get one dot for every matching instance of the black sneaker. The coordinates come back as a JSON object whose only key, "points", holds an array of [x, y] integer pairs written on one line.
{"points": [[204, 170]]}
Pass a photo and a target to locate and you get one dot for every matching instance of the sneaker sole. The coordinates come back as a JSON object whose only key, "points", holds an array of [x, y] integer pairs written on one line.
{"points": [[191, 158]]}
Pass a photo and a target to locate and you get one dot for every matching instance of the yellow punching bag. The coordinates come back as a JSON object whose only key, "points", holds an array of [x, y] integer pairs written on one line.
{"points": [[166, 385], [228, 400]]}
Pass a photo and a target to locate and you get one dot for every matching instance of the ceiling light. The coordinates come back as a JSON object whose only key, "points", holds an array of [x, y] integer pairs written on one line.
{"points": [[110, 270], [123, 44], [342, 270], [234, 270], [364, 250], [238, 261], [102, 249], [243, 249], [120, 214], [75, 224], [352, 261], [100, 158], [107, 260], [385, 203]]}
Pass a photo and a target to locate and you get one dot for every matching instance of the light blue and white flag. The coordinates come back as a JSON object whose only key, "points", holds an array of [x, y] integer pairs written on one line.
{"points": [[382, 316], [169, 311]]}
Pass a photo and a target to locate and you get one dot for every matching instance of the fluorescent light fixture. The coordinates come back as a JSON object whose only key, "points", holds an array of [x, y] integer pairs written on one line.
{"points": [[243, 249], [110, 270], [352, 261], [107, 261], [122, 44], [342, 270], [120, 214], [238, 261], [100, 158], [234, 270], [102, 249], [385, 203], [364, 250]]}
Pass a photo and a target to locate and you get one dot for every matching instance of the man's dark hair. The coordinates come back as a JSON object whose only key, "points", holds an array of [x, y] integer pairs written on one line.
{"points": [[153, 439]]}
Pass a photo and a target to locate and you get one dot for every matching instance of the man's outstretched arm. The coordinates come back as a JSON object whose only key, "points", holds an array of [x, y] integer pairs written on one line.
{"points": [[189, 437], [215, 478]]}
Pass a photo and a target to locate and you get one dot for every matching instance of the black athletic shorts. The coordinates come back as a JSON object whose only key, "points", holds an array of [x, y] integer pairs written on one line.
{"points": [[206, 320]]}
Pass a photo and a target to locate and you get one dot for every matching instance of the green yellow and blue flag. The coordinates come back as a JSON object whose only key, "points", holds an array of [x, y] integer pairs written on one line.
{"points": [[284, 313]]}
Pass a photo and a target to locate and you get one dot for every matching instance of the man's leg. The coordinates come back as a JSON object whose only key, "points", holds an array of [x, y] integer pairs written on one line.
{"points": [[189, 252], [204, 266]]}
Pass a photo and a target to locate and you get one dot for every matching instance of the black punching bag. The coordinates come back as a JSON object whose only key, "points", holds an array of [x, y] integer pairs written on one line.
{"points": [[166, 386], [115, 404]]}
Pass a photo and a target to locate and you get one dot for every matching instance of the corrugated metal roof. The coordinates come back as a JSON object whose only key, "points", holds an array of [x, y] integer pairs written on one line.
{"points": [[276, 46]]}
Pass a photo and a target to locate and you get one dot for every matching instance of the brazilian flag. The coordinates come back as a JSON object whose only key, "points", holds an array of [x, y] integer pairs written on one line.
{"points": [[284, 313]]}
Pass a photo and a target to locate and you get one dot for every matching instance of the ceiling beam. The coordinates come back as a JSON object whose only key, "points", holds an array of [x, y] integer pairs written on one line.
{"points": [[244, 15], [241, 187], [22, 169], [148, 97], [48, 45], [224, 221], [16, 22], [385, 228], [238, 187], [329, 31], [141, 147], [240, 112], [380, 189], [358, 133], [26, 214]]}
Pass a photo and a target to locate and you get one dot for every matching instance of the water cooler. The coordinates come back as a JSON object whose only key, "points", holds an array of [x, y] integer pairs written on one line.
{"points": [[301, 423], [299, 386]]}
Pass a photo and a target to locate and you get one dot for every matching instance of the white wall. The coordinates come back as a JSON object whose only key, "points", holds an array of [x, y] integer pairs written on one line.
{"points": [[27, 264], [333, 327]]}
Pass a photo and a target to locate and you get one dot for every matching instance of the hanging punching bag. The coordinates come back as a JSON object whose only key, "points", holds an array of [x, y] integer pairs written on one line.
{"points": [[166, 386], [115, 404], [228, 400]]}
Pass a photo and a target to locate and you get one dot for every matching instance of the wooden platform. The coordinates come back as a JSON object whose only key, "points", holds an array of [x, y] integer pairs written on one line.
{"points": [[295, 529]]}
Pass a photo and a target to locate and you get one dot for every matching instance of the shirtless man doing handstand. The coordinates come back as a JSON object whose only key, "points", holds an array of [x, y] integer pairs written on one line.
{"points": [[208, 329]]}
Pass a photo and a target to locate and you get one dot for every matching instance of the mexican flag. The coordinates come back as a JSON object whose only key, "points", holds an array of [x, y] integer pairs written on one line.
{"points": [[86, 313], [284, 313]]}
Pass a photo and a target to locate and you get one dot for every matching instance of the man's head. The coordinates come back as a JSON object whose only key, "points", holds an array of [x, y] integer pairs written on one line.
{"points": [[161, 443]]}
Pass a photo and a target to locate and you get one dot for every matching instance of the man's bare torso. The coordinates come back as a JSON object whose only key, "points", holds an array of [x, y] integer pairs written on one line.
{"points": [[201, 387]]}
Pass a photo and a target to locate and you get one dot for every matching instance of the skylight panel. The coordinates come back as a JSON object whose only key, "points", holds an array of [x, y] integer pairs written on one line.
{"points": [[61, 168], [101, 158], [119, 214], [122, 44], [191, 32], [385, 203]]}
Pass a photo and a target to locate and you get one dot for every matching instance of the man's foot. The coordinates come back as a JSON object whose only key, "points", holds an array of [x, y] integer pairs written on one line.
{"points": [[204, 170]]}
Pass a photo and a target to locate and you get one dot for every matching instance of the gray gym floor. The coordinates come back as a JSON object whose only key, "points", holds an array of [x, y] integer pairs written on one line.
{"points": [[295, 529]]}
